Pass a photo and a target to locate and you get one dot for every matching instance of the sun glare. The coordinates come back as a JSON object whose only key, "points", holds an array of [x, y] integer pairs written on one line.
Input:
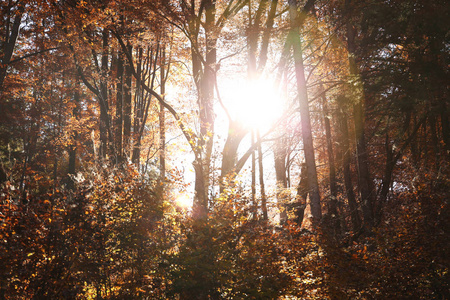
{"points": [[183, 200], [256, 104]]}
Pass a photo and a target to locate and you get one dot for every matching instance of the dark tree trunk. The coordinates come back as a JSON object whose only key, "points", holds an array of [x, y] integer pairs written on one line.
{"points": [[434, 142], [445, 125], [9, 42], [104, 107], [391, 160], [345, 150], [302, 195], [313, 185], [127, 105], [387, 178], [138, 108], [365, 185], [119, 106], [332, 169], [146, 67]]}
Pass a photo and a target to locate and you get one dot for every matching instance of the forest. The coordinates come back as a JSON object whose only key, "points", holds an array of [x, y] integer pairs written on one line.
{"points": [[224, 149]]}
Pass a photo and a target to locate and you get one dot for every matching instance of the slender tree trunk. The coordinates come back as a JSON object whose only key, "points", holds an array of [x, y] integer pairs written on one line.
{"points": [[445, 125], [365, 185], [127, 105], [138, 99], [162, 123], [145, 67], [261, 178], [332, 168], [266, 35], [57, 135], [30, 142], [255, 204], [313, 184], [73, 147], [414, 145], [391, 161], [345, 150], [387, 177], [119, 105], [434, 141], [104, 117], [280, 172], [252, 37], [9, 42], [281, 155]]}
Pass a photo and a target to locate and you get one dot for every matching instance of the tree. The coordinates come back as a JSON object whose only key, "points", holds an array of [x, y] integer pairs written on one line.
{"points": [[313, 185], [11, 20]]}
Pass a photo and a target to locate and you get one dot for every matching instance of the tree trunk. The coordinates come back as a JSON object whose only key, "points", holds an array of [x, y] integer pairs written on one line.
{"points": [[138, 112], [104, 117], [365, 185], [119, 105], [255, 204], [391, 161], [236, 132], [313, 185], [200, 206], [206, 83], [127, 105], [345, 150], [229, 154], [434, 142], [302, 195], [387, 178], [10, 39], [143, 97], [162, 123], [332, 169], [280, 172], [73, 147], [445, 125], [261, 178], [266, 35]]}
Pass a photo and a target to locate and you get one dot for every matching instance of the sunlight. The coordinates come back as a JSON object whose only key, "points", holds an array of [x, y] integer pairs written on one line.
{"points": [[256, 104], [184, 201]]}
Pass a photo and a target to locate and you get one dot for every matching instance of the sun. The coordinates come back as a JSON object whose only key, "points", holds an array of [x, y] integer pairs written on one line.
{"points": [[183, 200], [256, 104]]}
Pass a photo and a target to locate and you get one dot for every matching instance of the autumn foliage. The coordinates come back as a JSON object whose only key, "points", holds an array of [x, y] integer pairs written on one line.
{"points": [[138, 159]]}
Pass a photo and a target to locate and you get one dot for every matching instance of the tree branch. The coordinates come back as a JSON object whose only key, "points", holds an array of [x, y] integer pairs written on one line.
{"points": [[189, 135], [32, 54]]}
